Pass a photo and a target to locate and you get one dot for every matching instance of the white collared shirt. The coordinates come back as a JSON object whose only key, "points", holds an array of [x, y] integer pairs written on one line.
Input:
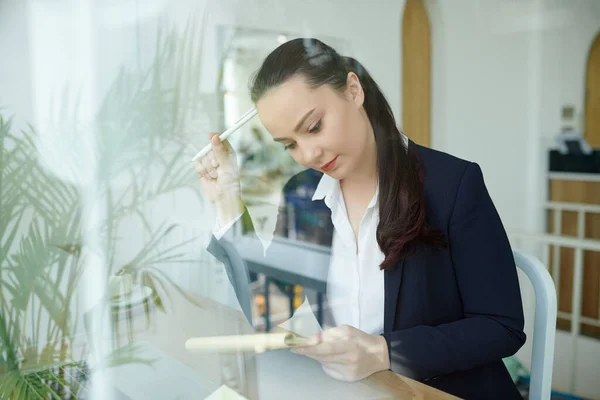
{"points": [[355, 284]]}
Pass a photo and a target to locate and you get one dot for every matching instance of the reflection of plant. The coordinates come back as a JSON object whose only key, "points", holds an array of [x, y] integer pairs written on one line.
{"points": [[140, 155], [264, 163], [143, 124]]}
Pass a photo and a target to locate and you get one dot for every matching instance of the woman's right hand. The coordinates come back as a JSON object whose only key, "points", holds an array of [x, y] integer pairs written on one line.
{"points": [[220, 179]]}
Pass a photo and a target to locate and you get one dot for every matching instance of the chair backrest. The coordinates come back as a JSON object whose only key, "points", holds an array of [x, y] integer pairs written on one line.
{"points": [[544, 326]]}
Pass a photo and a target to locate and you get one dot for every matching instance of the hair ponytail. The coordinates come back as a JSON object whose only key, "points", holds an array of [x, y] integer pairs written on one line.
{"points": [[401, 200]]}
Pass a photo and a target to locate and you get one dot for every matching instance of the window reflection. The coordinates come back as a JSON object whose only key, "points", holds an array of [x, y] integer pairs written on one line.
{"points": [[104, 267]]}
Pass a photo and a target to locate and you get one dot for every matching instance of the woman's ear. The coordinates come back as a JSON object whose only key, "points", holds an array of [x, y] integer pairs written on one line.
{"points": [[354, 90]]}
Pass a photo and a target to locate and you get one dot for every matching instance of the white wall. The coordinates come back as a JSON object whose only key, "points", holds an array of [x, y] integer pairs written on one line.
{"points": [[371, 29], [481, 98], [15, 86], [502, 70]]}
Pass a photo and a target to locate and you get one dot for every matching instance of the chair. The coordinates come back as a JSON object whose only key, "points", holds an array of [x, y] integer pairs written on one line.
{"points": [[544, 327]]}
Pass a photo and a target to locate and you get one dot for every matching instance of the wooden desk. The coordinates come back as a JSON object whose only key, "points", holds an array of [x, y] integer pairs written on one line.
{"points": [[274, 374]]}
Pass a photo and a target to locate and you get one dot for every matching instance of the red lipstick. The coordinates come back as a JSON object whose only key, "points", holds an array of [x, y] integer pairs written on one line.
{"points": [[329, 166]]}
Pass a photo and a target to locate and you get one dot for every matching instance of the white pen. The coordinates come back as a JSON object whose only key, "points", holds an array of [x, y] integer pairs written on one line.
{"points": [[244, 118]]}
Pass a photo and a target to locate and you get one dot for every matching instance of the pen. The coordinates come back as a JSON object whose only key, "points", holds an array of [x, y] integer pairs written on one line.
{"points": [[243, 119]]}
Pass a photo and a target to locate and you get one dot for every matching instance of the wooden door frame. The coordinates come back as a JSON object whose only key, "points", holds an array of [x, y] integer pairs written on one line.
{"points": [[416, 72], [592, 114]]}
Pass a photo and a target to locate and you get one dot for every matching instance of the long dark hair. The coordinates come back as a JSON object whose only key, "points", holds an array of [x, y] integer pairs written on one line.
{"points": [[401, 201]]}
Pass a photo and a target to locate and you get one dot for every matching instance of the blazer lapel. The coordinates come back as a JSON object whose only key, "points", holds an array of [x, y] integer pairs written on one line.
{"points": [[392, 280]]}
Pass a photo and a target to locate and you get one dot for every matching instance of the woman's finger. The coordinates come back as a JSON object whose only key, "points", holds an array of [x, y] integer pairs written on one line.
{"points": [[340, 358], [220, 151], [205, 181], [213, 161], [339, 332], [208, 166], [226, 145], [323, 349], [332, 371], [199, 168]]}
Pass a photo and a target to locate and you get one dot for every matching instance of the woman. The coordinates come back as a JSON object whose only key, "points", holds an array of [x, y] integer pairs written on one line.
{"points": [[426, 261]]}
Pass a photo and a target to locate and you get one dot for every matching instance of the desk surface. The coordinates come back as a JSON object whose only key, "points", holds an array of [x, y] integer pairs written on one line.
{"points": [[274, 374]]}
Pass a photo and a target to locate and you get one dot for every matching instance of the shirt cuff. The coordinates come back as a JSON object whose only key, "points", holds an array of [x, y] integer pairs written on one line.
{"points": [[219, 232]]}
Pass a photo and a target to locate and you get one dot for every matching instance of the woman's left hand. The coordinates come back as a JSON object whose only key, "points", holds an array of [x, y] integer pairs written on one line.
{"points": [[348, 354]]}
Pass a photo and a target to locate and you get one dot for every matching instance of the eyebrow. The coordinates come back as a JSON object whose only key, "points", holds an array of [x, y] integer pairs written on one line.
{"points": [[299, 125]]}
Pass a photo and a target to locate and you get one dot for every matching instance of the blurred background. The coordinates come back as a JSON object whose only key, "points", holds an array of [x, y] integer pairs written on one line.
{"points": [[103, 228]]}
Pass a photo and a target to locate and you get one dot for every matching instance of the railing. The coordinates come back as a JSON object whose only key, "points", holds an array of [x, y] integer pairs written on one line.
{"points": [[580, 244]]}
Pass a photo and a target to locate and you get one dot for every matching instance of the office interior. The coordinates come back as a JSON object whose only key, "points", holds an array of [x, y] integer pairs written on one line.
{"points": [[103, 104]]}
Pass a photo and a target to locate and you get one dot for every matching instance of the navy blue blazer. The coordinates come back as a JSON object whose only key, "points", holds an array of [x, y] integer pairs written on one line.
{"points": [[451, 314]]}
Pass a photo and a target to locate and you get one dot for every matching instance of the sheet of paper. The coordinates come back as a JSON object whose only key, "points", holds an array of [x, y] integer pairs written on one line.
{"points": [[225, 393], [303, 321]]}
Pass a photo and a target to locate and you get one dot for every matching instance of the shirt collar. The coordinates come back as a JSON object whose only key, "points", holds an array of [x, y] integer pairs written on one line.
{"points": [[329, 187], [326, 188], [375, 198]]}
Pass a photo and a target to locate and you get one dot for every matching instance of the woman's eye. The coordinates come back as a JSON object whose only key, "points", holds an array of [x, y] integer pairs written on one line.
{"points": [[316, 128]]}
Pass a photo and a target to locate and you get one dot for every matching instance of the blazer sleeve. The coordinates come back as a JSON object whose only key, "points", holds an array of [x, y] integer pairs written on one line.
{"points": [[486, 276], [222, 247]]}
